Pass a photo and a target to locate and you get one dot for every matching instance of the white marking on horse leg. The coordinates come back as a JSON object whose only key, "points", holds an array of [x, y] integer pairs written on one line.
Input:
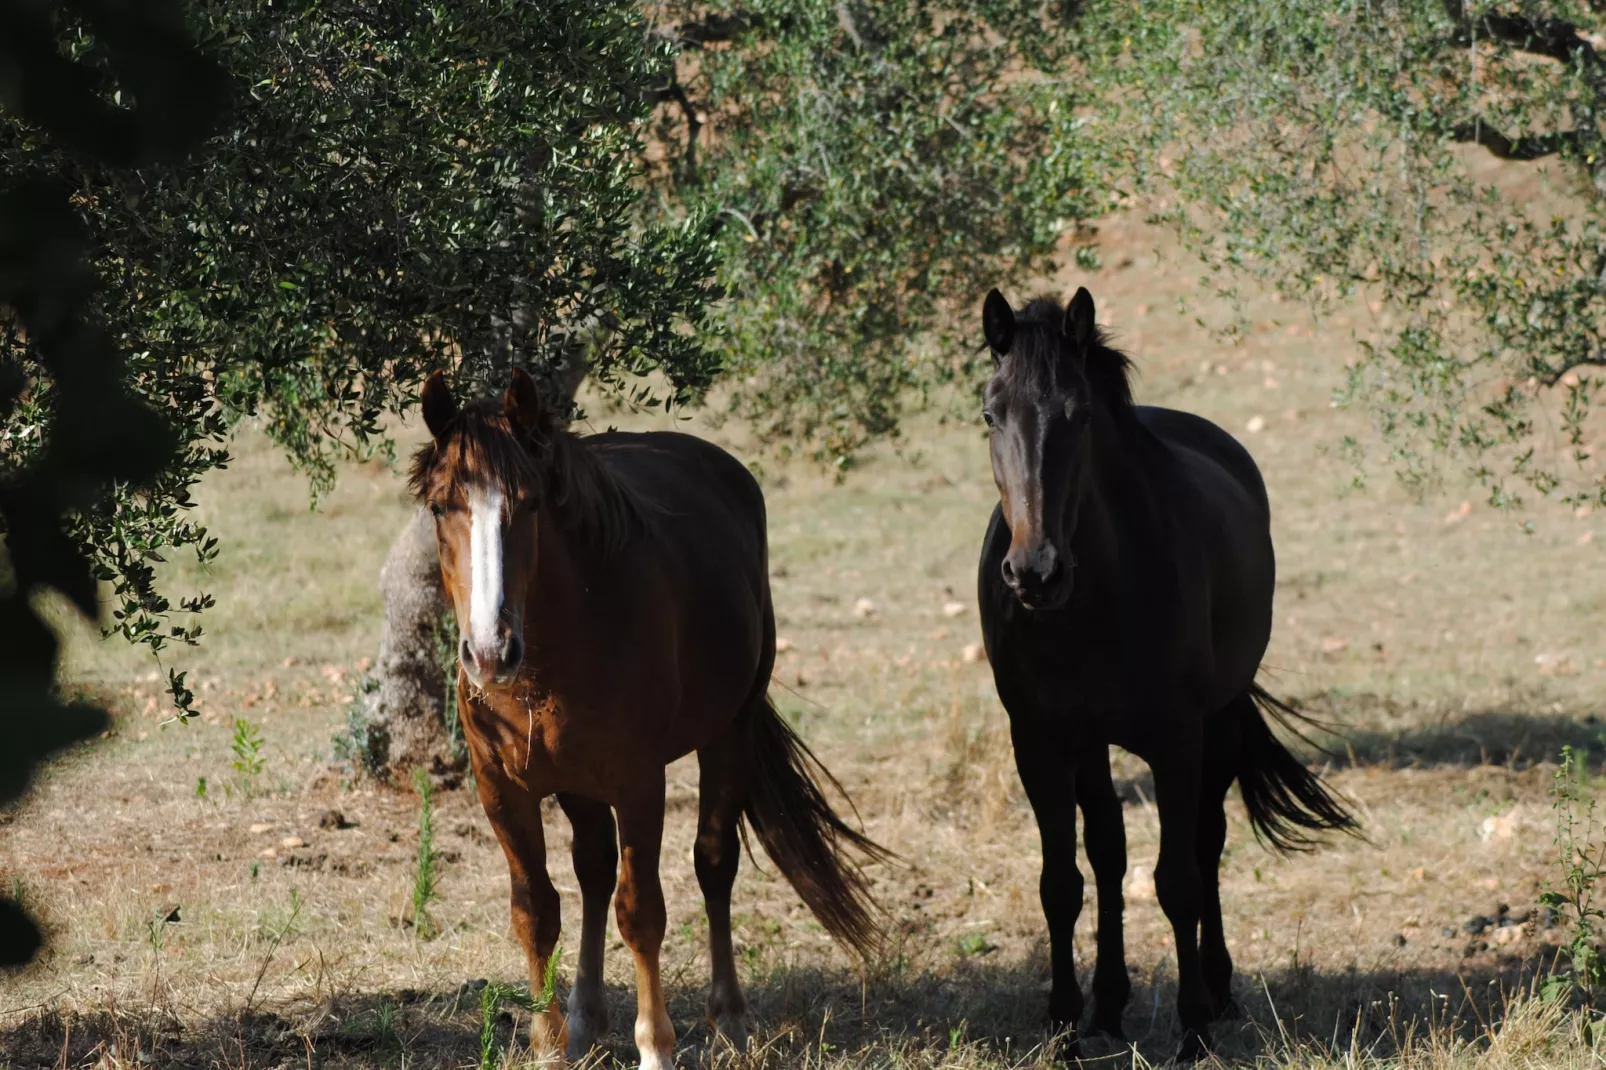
{"points": [[485, 554]]}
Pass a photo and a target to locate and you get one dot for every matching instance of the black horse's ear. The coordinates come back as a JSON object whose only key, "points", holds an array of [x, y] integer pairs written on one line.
{"points": [[440, 408], [523, 406], [998, 323], [1079, 319]]}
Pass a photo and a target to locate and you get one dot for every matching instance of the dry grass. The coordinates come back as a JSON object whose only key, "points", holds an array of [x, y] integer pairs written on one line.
{"points": [[1415, 624]]}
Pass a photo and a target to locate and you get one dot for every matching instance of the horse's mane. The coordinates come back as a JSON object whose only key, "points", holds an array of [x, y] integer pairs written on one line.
{"points": [[481, 446], [1043, 348]]}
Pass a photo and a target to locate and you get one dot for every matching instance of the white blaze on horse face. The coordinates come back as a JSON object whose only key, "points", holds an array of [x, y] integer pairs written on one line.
{"points": [[485, 553]]}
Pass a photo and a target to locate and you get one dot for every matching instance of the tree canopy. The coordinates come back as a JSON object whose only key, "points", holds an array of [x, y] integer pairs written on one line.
{"points": [[873, 165], [96, 435], [399, 186], [1332, 150]]}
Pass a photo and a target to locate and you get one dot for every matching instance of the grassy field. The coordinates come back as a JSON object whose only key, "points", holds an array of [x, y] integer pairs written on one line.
{"points": [[249, 927]]}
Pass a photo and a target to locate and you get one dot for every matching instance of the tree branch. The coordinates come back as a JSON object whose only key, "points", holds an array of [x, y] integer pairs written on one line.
{"points": [[694, 125], [1523, 148], [1596, 359], [1555, 38], [716, 28]]}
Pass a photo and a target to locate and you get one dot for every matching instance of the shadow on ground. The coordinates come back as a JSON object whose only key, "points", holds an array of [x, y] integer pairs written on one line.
{"points": [[804, 1016]]}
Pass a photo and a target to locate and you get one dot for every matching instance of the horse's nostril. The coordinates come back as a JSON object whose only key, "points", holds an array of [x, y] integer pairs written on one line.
{"points": [[514, 652], [1009, 571], [464, 654]]}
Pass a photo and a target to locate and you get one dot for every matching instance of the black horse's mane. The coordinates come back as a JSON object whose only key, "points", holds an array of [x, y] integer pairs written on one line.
{"points": [[1044, 351]]}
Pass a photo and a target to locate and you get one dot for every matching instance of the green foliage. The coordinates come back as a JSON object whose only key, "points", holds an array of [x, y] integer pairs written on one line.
{"points": [[1581, 863], [364, 743], [876, 167], [446, 637], [493, 995], [400, 187], [426, 877], [95, 435], [1330, 150], [246, 744]]}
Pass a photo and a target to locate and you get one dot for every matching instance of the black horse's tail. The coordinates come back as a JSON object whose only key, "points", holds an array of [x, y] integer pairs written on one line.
{"points": [[805, 838], [1286, 801]]}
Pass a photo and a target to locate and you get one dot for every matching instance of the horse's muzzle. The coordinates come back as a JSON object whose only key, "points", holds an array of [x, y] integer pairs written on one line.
{"points": [[496, 665], [1040, 577]]}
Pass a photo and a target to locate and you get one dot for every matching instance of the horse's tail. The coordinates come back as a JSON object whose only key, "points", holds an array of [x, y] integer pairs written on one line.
{"points": [[1286, 801], [804, 837]]}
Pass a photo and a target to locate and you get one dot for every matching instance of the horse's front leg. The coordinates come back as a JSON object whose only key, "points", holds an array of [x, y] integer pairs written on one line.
{"points": [[596, 864], [1049, 777], [515, 814], [639, 908], [1105, 834]]}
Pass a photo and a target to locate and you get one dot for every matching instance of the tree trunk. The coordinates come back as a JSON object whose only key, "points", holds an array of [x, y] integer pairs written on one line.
{"points": [[414, 656]]}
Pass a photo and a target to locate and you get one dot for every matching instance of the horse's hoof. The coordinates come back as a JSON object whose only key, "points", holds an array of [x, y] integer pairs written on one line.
{"points": [[1195, 1046], [1227, 1010], [588, 1022], [730, 1030]]}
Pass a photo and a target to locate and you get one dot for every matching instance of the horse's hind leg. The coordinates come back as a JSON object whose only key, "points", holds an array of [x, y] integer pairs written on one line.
{"points": [[1105, 831], [596, 862], [639, 908], [1222, 743], [722, 791], [1177, 789]]}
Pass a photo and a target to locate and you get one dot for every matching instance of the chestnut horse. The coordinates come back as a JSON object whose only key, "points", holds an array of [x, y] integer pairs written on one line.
{"points": [[613, 598], [1126, 593]]}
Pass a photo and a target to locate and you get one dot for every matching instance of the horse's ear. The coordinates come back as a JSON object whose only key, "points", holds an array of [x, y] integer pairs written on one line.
{"points": [[1079, 319], [523, 406], [998, 323], [440, 408]]}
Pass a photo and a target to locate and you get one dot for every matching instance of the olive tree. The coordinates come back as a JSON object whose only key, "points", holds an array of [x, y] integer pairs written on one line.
{"points": [[1331, 149], [876, 167], [397, 187], [97, 440]]}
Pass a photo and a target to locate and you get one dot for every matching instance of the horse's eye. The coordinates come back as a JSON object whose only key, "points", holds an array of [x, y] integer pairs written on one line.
{"points": [[437, 510], [987, 417]]}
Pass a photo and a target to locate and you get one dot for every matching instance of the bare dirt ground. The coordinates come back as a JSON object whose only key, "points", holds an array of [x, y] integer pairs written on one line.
{"points": [[247, 928]]}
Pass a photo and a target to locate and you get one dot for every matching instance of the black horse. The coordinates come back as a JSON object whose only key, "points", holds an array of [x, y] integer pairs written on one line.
{"points": [[1126, 593]]}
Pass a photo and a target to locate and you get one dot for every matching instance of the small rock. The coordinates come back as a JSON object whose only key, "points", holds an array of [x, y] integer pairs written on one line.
{"points": [[974, 652], [1256, 425], [783, 645], [260, 827], [172, 917], [292, 842], [1476, 924], [1399, 939], [268, 852], [1459, 513], [1508, 935], [334, 819], [953, 609], [1334, 645], [864, 609], [1420, 873], [1497, 828], [1552, 663], [1446, 931], [1140, 883]]}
